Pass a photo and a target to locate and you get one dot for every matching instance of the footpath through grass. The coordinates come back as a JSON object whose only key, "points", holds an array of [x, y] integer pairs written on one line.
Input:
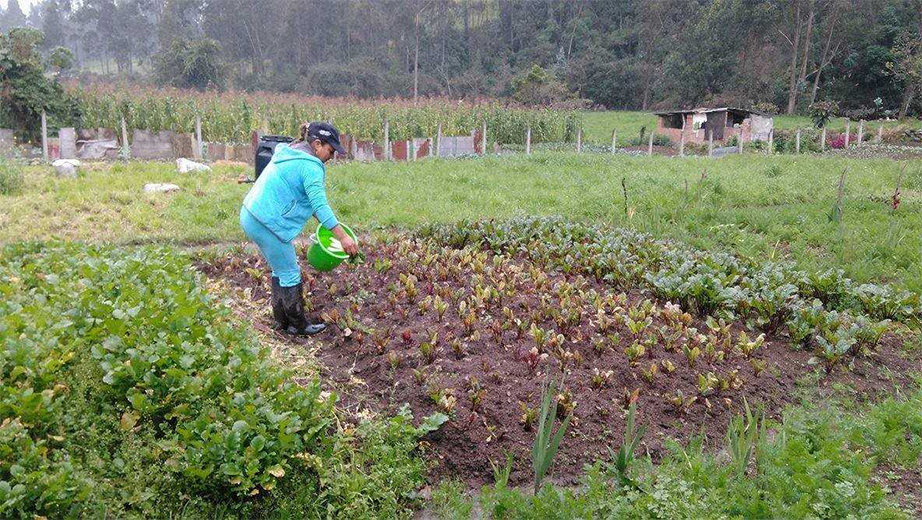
{"points": [[766, 207]]}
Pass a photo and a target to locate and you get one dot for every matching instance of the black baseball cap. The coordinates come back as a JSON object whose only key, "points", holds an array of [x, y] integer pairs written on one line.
{"points": [[327, 133]]}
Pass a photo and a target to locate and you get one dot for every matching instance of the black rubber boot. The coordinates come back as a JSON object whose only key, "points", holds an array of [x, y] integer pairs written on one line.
{"points": [[293, 302], [278, 309]]}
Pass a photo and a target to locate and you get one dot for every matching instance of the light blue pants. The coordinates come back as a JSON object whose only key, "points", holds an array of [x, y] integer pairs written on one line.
{"points": [[279, 255]]}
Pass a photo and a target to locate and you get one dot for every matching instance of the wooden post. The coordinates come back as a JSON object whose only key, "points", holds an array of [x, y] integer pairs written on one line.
{"points": [[579, 140], [44, 137], [823, 140], [387, 140], [438, 143], [682, 140], [198, 136], [614, 141], [483, 139], [797, 142], [880, 134], [710, 143], [650, 145], [848, 132], [528, 140], [771, 141]]}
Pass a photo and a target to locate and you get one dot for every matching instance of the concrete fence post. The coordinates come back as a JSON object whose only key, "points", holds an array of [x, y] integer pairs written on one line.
{"points": [[797, 142], [614, 141], [682, 142], [710, 143], [771, 142], [483, 139], [528, 140], [739, 142], [412, 149], [438, 142], [848, 132], [823, 140], [200, 150], [44, 137], [650, 145], [579, 140], [387, 140], [880, 134]]}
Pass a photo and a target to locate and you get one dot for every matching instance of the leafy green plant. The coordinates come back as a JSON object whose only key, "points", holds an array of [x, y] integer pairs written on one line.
{"points": [[620, 463], [744, 436], [546, 444]]}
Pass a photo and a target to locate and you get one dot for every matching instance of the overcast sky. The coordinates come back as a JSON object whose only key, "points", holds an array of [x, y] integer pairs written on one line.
{"points": [[24, 4]]}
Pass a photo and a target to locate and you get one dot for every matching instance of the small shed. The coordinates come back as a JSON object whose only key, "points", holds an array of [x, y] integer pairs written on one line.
{"points": [[725, 124]]}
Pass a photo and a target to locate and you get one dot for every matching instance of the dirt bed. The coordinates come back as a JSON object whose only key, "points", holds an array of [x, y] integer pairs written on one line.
{"points": [[486, 371]]}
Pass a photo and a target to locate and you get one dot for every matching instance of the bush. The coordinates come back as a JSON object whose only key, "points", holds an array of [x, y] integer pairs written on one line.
{"points": [[11, 178]]}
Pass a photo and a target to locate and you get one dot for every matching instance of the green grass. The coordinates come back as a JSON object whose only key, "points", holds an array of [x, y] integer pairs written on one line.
{"points": [[820, 461], [597, 126], [766, 207]]}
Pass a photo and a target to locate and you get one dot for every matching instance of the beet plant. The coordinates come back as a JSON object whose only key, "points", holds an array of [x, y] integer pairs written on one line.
{"points": [[634, 352], [746, 346], [680, 402]]}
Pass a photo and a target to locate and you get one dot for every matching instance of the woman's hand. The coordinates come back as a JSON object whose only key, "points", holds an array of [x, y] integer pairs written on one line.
{"points": [[349, 245]]}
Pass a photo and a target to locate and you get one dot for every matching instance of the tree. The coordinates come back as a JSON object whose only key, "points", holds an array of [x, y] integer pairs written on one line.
{"points": [[13, 17], [61, 59], [191, 63], [25, 91], [539, 87], [907, 68]]}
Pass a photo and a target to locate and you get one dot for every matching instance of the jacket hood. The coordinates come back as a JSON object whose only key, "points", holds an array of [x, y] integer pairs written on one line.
{"points": [[284, 152]]}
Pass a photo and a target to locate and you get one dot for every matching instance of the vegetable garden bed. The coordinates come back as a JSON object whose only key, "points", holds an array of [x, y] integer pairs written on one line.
{"points": [[469, 320]]}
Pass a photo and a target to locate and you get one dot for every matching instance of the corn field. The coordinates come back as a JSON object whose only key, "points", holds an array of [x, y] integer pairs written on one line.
{"points": [[233, 116]]}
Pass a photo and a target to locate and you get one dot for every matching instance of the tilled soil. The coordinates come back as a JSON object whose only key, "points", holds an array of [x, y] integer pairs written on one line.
{"points": [[374, 357]]}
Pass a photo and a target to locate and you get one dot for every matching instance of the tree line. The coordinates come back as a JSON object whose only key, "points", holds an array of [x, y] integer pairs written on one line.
{"points": [[861, 55]]}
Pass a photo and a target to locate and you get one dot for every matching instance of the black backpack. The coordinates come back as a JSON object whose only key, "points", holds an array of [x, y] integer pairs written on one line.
{"points": [[266, 148]]}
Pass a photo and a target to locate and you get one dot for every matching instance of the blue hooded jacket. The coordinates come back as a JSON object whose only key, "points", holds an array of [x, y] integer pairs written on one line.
{"points": [[289, 192]]}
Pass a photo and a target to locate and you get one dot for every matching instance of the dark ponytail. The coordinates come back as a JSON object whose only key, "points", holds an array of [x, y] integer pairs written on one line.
{"points": [[302, 133]]}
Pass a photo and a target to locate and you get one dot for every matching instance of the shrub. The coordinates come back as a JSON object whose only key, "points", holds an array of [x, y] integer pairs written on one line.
{"points": [[11, 178]]}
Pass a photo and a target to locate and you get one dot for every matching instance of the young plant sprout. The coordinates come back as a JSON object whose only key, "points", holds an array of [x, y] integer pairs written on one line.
{"points": [[707, 383], [634, 352], [680, 403], [428, 348], [746, 346], [758, 365], [668, 366], [650, 374], [628, 398], [600, 379], [691, 354], [458, 348], [393, 359], [420, 376]]}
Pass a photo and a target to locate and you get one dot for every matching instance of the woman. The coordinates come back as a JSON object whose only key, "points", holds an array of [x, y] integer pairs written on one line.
{"points": [[290, 191]]}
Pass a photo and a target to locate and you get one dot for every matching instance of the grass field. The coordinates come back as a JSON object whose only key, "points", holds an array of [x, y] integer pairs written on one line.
{"points": [[597, 126], [775, 207]]}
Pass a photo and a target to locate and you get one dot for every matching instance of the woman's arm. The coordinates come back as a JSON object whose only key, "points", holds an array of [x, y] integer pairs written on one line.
{"points": [[316, 194], [349, 245]]}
